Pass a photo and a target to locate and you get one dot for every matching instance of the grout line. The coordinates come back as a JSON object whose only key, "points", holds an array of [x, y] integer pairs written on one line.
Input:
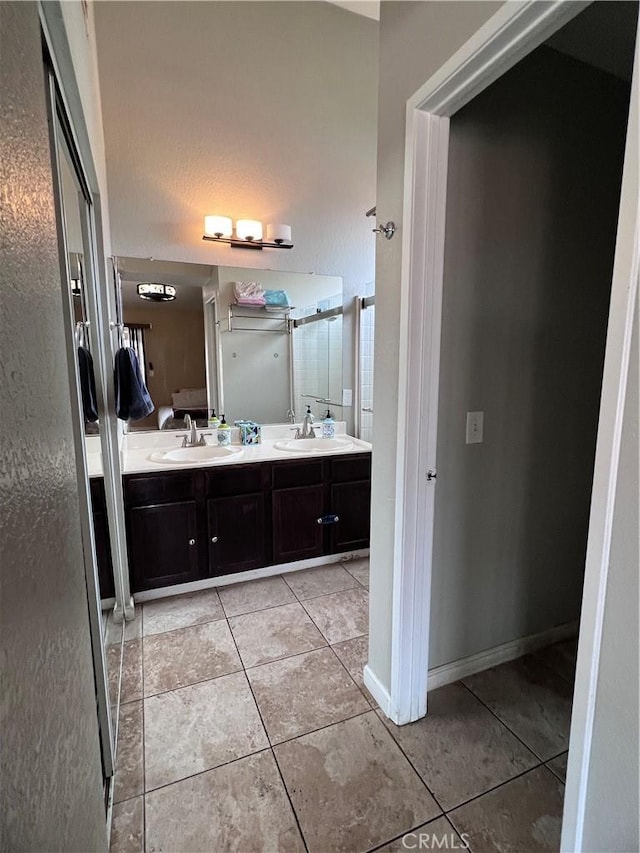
{"points": [[412, 829], [194, 683], [284, 784], [182, 627], [495, 788], [500, 720]]}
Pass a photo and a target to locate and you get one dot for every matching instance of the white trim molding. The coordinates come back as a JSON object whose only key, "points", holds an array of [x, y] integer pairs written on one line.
{"points": [[515, 30], [512, 33], [439, 676]]}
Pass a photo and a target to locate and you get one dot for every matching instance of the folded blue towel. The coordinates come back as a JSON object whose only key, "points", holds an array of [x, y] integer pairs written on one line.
{"points": [[87, 385], [132, 398], [276, 299]]}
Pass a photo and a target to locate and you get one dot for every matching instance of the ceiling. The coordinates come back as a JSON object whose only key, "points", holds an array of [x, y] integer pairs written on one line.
{"points": [[188, 279], [602, 36], [368, 8]]}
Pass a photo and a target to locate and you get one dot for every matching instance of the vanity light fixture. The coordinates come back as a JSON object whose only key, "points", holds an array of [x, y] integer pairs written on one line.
{"points": [[156, 292], [248, 233]]}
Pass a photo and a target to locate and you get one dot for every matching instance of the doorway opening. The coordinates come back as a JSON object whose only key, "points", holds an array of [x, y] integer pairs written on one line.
{"points": [[506, 560]]}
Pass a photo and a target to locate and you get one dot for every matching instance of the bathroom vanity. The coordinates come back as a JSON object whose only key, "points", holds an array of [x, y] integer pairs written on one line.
{"points": [[203, 523], [261, 507]]}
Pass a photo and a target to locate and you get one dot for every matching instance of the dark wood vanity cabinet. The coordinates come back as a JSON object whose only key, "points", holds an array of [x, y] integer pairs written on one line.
{"points": [[201, 523], [101, 536]]}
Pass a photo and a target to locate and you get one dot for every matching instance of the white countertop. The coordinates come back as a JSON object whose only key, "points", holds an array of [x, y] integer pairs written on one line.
{"points": [[137, 449]]}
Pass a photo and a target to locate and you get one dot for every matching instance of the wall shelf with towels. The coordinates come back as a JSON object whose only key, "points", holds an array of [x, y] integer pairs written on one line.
{"points": [[263, 319]]}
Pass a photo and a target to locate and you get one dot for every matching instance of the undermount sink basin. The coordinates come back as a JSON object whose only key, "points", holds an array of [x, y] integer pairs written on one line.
{"points": [[314, 445], [208, 453]]}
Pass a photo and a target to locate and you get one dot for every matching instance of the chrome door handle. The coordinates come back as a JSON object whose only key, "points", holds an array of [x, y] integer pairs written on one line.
{"points": [[431, 474], [328, 519]]}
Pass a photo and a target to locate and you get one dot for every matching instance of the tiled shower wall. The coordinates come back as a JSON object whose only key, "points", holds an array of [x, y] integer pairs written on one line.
{"points": [[317, 359]]}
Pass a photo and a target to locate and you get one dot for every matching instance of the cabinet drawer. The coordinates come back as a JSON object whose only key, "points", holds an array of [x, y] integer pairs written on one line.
{"points": [[158, 488], [346, 469], [288, 475], [239, 480]]}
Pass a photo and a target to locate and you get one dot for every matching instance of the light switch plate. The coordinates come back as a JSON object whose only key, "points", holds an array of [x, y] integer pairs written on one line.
{"points": [[347, 397], [475, 427]]}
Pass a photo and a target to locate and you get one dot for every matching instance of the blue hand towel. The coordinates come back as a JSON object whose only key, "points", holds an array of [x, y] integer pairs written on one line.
{"points": [[132, 398], [87, 385], [276, 299]]}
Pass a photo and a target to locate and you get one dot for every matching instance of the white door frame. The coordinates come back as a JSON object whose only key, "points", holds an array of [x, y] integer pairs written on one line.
{"points": [[513, 32]]}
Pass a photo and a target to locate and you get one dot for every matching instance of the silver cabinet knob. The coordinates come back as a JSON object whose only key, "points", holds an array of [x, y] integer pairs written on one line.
{"points": [[214, 539], [192, 541]]}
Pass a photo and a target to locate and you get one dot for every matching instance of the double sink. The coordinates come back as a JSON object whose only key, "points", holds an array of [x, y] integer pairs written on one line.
{"points": [[211, 453]]}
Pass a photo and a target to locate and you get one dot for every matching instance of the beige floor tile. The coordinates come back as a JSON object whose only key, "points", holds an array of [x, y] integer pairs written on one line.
{"points": [[131, 683], [302, 693], [127, 827], [129, 778], [177, 658], [319, 581], [254, 595], [523, 815], [354, 655], [341, 615], [438, 834], [351, 787], [531, 699], [113, 634], [113, 655], [275, 633], [181, 611], [199, 727], [359, 568], [133, 628], [559, 766], [561, 657], [239, 808], [460, 749]]}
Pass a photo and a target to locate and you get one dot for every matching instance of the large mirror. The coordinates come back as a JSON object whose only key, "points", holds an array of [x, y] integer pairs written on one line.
{"points": [[251, 344]]}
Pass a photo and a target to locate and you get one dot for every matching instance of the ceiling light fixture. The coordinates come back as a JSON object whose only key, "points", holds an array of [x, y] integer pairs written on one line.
{"points": [[155, 292], [248, 233]]}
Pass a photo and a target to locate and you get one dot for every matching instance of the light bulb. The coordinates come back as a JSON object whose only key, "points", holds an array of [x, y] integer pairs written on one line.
{"points": [[249, 229], [218, 226]]}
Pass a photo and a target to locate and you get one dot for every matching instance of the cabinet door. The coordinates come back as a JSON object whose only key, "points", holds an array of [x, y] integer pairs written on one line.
{"points": [[162, 545], [351, 502], [103, 554], [297, 535], [235, 527]]}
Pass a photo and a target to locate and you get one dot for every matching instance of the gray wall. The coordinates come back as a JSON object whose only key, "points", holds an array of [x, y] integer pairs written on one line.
{"points": [[252, 110], [415, 40], [50, 764], [532, 204]]}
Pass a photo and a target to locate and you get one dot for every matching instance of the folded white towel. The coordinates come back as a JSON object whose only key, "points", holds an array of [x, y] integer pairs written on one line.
{"points": [[248, 290]]}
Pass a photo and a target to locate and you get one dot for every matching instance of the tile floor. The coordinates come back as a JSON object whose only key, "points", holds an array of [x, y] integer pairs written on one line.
{"points": [[245, 726]]}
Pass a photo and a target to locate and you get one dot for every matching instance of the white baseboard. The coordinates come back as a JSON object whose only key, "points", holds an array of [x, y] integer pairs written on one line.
{"points": [[454, 671], [377, 690], [254, 574]]}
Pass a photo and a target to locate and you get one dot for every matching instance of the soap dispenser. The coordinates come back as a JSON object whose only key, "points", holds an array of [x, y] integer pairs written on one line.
{"points": [[224, 433], [214, 421], [328, 426]]}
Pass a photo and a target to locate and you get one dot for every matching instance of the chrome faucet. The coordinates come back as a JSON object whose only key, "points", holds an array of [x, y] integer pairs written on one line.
{"points": [[307, 426], [192, 439]]}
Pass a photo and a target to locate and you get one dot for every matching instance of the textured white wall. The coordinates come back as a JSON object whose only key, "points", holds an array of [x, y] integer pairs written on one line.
{"points": [[253, 110], [50, 761]]}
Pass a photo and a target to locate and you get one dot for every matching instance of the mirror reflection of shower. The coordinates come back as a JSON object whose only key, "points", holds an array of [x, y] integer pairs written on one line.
{"points": [[317, 359]]}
